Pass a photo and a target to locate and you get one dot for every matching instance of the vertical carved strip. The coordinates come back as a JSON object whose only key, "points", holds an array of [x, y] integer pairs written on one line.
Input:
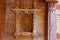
{"points": [[2, 18], [39, 20], [18, 19], [58, 20], [51, 20]]}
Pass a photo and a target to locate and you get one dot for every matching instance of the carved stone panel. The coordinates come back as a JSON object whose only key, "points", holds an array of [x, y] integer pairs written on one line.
{"points": [[25, 26]]}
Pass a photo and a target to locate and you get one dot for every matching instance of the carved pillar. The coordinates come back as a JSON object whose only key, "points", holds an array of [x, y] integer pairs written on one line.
{"points": [[51, 20]]}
